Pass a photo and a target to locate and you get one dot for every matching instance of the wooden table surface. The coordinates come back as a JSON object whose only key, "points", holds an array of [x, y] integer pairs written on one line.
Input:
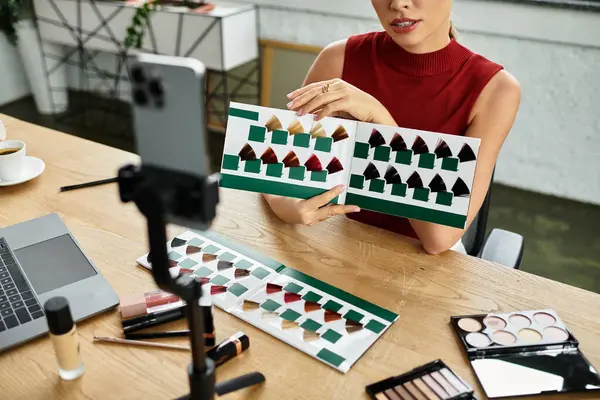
{"points": [[378, 266]]}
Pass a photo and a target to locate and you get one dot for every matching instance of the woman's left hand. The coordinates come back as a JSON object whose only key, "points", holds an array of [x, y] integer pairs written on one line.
{"points": [[338, 98]]}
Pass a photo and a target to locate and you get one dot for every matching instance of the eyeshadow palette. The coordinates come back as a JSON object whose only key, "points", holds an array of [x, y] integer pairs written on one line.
{"points": [[524, 353], [327, 323], [432, 381]]}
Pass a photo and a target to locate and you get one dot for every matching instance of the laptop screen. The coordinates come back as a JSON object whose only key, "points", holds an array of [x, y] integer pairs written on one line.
{"points": [[54, 263]]}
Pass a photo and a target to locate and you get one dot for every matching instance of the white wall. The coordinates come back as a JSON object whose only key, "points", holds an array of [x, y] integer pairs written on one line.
{"points": [[13, 83]]}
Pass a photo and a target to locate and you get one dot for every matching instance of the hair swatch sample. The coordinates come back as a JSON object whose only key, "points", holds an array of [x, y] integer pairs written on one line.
{"points": [[203, 279], [241, 273], [437, 184], [309, 336], [291, 160], [295, 128], [466, 153], [269, 156], [415, 181], [310, 306], [247, 153], [206, 258], [289, 297], [442, 150], [250, 305], [317, 131], [223, 265], [398, 143], [285, 324], [371, 172], [376, 139], [353, 326], [176, 242], [185, 271], [273, 124], [218, 289], [192, 250], [313, 164], [392, 176], [273, 288], [334, 166], [173, 263], [269, 315], [460, 188], [339, 134], [331, 316], [419, 146]]}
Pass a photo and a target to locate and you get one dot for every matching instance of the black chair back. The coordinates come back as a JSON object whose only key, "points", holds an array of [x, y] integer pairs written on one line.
{"points": [[474, 237]]}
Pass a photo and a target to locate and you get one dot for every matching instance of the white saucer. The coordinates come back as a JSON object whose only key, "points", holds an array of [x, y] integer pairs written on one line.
{"points": [[33, 168]]}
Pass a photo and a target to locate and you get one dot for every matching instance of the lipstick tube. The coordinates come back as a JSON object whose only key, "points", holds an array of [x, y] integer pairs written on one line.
{"points": [[147, 303], [229, 348]]}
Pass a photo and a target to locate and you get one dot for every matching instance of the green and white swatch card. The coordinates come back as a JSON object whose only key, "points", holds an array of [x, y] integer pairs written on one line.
{"points": [[321, 320], [398, 171]]}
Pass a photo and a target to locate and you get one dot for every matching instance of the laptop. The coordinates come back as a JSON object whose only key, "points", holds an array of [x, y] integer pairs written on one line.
{"points": [[40, 259]]}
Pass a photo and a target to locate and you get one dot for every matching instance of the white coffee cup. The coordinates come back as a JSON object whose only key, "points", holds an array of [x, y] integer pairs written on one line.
{"points": [[12, 165]]}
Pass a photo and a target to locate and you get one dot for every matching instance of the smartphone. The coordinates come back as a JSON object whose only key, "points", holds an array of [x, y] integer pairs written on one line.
{"points": [[168, 112]]}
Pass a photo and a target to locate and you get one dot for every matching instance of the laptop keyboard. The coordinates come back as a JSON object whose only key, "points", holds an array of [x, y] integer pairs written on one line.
{"points": [[18, 303]]}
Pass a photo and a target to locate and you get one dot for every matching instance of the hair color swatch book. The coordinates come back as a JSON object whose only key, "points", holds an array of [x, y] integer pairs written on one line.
{"points": [[404, 172], [321, 320]]}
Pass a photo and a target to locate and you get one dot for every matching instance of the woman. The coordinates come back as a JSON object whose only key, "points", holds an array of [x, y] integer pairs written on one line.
{"points": [[414, 74]]}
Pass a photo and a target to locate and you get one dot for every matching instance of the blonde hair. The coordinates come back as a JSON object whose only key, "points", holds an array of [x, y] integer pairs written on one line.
{"points": [[453, 32]]}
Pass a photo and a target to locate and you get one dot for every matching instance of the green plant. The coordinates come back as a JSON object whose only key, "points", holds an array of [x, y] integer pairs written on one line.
{"points": [[11, 11]]}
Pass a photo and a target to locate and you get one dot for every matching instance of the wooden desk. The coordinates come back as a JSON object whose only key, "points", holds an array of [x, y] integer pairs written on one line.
{"points": [[378, 266]]}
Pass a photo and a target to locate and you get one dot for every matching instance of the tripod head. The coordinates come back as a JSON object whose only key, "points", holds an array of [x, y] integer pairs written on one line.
{"points": [[173, 185]]}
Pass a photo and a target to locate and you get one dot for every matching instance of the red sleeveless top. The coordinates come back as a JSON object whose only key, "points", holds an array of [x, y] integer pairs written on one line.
{"points": [[432, 92]]}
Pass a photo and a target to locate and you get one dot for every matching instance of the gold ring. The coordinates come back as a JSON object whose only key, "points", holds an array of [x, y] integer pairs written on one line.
{"points": [[325, 88]]}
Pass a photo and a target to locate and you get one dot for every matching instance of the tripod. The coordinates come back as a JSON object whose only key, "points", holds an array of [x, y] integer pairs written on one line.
{"points": [[163, 195]]}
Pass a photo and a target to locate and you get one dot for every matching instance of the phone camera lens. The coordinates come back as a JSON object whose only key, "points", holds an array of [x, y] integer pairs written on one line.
{"points": [[156, 88], [137, 73], [140, 97]]}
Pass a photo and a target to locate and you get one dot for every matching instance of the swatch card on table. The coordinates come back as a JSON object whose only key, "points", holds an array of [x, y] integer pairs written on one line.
{"points": [[321, 320], [397, 171]]}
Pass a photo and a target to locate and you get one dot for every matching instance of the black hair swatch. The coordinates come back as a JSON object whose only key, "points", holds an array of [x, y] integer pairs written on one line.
{"points": [[398, 143], [415, 181], [371, 172], [466, 154], [247, 153], [442, 150], [460, 189], [437, 184], [392, 176], [419, 146], [376, 139], [176, 242]]}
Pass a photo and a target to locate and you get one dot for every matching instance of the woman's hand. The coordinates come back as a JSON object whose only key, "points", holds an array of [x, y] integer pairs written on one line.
{"points": [[310, 211], [336, 97]]}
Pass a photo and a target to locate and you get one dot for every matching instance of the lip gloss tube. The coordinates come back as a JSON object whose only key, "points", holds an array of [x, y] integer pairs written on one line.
{"points": [[146, 303]]}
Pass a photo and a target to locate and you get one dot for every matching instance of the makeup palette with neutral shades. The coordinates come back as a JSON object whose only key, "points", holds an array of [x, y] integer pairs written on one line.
{"points": [[524, 353], [432, 381]]}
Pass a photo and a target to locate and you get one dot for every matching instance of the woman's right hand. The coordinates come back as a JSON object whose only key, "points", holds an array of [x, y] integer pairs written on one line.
{"points": [[310, 211]]}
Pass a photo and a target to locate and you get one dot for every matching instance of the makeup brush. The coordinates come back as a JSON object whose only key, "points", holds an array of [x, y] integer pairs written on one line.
{"points": [[392, 176], [460, 189], [291, 160], [218, 289], [466, 154], [192, 250], [419, 146], [140, 343], [176, 242], [371, 172], [318, 131], [291, 297], [223, 265], [442, 150], [376, 139], [295, 128], [334, 166], [339, 134], [313, 163], [206, 258], [415, 181], [398, 143], [437, 184], [269, 156], [273, 288], [273, 124], [247, 153]]}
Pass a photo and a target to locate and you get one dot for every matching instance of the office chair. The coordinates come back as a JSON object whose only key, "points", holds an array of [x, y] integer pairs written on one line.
{"points": [[500, 246]]}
